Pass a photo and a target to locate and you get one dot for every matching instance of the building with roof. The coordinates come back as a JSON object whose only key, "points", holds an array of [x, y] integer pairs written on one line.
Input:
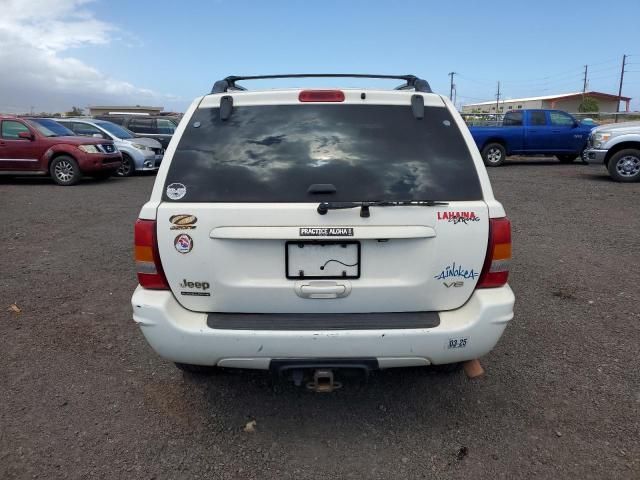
{"points": [[568, 102], [130, 109]]}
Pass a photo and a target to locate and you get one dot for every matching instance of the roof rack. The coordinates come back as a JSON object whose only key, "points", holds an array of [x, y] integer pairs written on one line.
{"points": [[412, 82]]}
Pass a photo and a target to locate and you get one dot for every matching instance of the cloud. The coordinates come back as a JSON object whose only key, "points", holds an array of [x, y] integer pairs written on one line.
{"points": [[34, 36]]}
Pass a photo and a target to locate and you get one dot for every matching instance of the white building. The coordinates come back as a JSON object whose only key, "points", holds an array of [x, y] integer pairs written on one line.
{"points": [[95, 110], [568, 102]]}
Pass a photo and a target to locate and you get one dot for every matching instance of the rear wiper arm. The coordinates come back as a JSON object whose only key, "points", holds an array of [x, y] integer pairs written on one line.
{"points": [[324, 207]]}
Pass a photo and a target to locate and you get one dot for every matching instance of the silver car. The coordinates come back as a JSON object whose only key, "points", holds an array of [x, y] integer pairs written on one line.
{"points": [[138, 153]]}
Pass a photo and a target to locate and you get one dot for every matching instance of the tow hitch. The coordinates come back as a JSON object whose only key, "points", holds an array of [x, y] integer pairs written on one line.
{"points": [[318, 375], [323, 382]]}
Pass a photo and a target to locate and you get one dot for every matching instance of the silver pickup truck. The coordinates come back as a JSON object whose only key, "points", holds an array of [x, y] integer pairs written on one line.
{"points": [[617, 147]]}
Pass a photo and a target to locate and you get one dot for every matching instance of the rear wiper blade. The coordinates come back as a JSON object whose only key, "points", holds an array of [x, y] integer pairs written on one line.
{"points": [[324, 207]]}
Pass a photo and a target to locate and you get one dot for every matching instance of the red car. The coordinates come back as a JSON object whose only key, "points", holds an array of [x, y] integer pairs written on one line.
{"points": [[40, 146]]}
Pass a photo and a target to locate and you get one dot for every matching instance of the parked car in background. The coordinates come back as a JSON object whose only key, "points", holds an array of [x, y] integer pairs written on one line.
{"points": [[532, 132], [38, 146], [138, 154], [159, 127], [617, 147]]}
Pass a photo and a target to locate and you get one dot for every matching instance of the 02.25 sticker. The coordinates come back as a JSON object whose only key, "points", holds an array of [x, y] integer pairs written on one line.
{"points": [[460, 342]]}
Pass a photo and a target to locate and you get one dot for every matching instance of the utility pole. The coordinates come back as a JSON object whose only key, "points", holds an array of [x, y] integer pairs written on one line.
{"points": [[498, 98], [452, 86], [624, 62], [584, 83]]}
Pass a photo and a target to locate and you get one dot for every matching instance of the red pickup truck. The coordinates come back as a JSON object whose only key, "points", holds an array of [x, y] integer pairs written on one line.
{"points": [[39, 146]]}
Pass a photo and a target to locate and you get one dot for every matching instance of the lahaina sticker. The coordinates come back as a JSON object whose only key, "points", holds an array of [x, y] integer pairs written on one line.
{"points": [[176, 191]]}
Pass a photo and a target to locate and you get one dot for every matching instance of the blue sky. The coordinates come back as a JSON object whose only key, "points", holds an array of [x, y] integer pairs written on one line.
{"points": [[178, 49]]}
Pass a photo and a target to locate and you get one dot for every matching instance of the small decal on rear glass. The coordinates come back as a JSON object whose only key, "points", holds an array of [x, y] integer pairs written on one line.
{"points": [[176, 191], [326, 232], [458, 217], [183, 222], [456, 271], [183, 243]]}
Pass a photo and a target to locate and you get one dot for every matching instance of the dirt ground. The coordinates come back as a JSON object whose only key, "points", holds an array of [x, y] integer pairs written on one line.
{"points": [[83, 396]]}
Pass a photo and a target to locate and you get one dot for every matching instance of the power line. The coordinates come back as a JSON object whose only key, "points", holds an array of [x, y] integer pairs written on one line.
{"points": [[613, 60]]}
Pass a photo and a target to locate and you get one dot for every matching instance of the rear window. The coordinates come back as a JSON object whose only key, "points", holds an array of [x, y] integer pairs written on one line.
{"points": [[513, 119], [368, 152]]}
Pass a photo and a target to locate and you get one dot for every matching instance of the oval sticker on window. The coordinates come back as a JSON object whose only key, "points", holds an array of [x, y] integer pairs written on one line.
{"points": [[176, 191]]}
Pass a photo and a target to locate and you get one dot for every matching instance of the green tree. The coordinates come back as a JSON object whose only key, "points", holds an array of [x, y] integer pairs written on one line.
{"points": [[588, 105], [75, 112]]}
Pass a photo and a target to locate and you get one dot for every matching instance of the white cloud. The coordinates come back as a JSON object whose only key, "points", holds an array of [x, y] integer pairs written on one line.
{"points": [[34, 35]]}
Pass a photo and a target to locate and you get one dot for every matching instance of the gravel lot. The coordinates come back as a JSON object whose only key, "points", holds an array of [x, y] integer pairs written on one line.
{"points": [[83, 396]]}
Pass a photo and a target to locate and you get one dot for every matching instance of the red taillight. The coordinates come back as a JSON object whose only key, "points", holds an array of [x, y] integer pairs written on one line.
{"points": [[495, 271], [321, 96], [148, 266]]}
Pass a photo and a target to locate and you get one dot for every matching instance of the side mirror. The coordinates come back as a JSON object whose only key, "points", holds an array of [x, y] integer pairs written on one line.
{"points": [[25, 135], [97, 135]]}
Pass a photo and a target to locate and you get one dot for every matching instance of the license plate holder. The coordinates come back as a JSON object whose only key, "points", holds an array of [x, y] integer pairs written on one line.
{"points": [[322, 259]]}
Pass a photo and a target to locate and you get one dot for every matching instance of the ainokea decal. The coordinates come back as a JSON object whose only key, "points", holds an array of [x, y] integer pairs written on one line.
{"points": [[183, 222], [183, 243], [176, 191], [456, 271], [458, 217], [326, 232], [199, 287]]}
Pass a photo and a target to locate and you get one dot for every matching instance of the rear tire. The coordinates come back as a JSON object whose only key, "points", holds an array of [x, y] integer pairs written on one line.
{"points": [[65, 171], [624, 166], [566, 158], [494, 155], [127, 168], [202, 370]]}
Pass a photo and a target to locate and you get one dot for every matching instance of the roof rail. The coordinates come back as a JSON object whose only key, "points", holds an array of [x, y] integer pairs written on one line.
{"points": [[412, 82]]}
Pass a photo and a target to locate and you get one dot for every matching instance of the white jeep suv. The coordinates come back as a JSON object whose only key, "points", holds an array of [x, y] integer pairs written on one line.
{"points": [[296, 228]]}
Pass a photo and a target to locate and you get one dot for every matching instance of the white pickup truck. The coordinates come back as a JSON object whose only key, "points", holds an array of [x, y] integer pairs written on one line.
{"points": [[617, 147]]}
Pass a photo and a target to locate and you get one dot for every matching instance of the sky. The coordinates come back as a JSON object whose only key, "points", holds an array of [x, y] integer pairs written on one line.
{"points": [[55, 54]]}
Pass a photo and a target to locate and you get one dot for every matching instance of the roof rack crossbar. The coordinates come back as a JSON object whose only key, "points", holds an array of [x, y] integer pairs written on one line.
{"points": [[412, 82]]}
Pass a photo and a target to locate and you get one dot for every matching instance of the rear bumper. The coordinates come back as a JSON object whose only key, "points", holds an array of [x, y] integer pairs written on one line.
{"points": [[593, 155], [183, 336]]}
